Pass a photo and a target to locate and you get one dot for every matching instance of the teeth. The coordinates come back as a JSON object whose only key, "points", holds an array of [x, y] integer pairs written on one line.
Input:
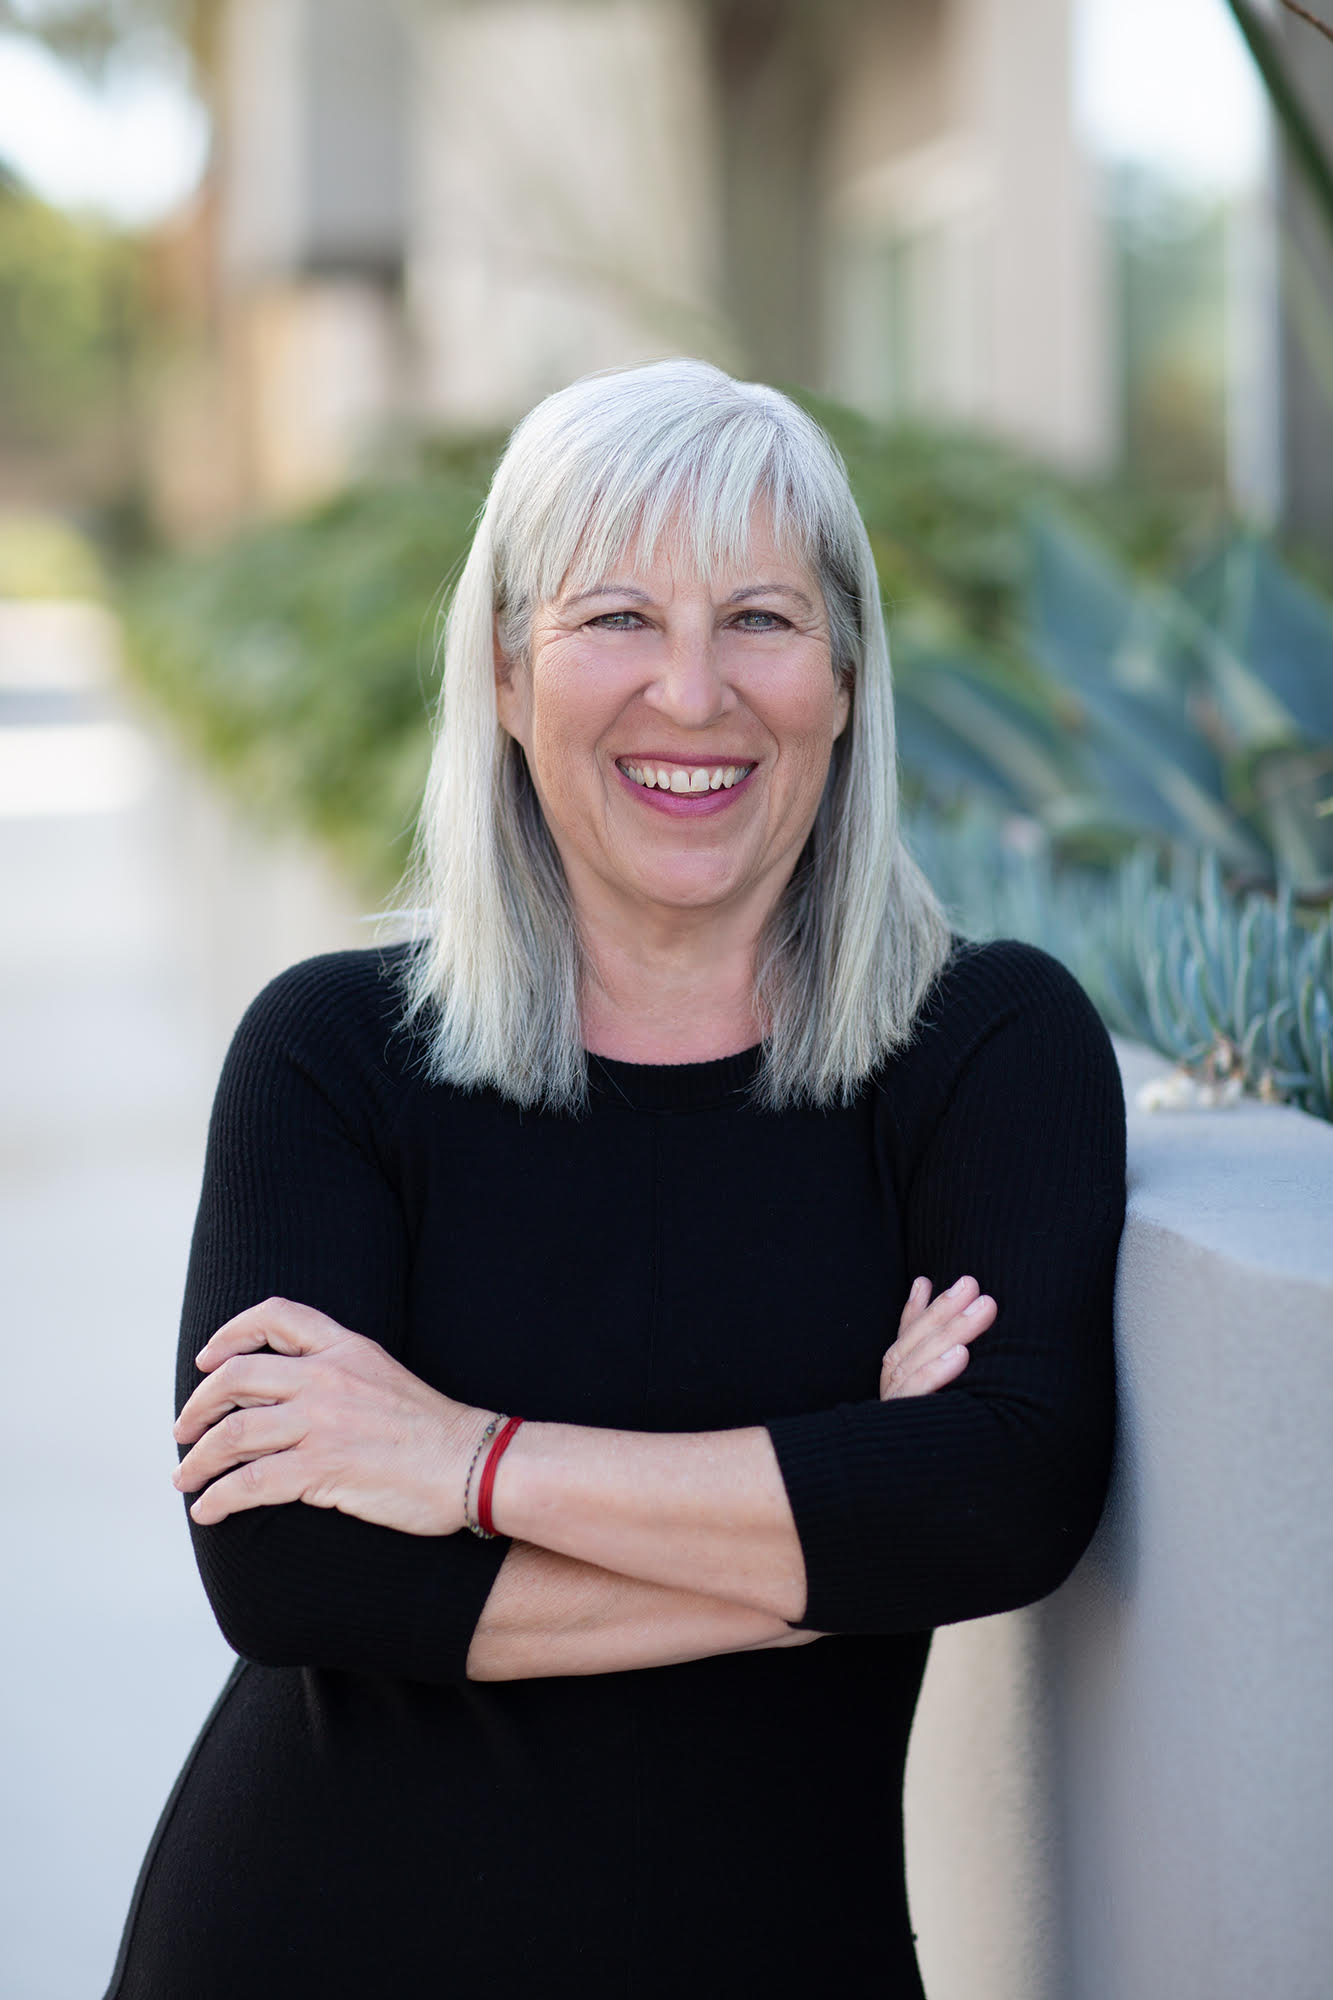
{"points": [[701, 778]]}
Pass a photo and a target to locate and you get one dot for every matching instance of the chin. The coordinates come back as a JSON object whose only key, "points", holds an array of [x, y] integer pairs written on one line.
{"points": [[688, 889]]}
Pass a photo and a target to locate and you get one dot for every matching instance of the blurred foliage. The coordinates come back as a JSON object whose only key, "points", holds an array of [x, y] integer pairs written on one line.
{"points": [[70, 304], [1236, 989], [1197, 712], [1037, 668], [43, 556], [297, 659]]}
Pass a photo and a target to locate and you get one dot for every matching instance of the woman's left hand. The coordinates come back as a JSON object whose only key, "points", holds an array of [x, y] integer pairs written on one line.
{"points": [[296, 1407], [933, 1336]]}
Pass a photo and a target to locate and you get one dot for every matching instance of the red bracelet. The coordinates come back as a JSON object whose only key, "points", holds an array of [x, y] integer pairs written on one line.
{"points": [[487, 1486]]}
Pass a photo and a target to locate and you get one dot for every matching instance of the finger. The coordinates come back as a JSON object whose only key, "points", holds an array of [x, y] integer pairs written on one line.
{"points": [[926, 1344], [935, 1373], [284, 1325], [917, 1301], [239, 1383], [270, 1481], [240, 1437], [940, 1313]]}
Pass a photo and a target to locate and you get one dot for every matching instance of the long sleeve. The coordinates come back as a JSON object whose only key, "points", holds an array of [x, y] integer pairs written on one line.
{"points": [[298, 1202], [1008, 1147]]}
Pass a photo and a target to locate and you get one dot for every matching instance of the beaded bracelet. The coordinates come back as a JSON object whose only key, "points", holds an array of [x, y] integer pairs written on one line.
{"points": [[482, 1442]]}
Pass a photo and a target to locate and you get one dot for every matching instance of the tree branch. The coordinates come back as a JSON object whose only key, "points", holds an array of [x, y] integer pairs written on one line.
{"points": [[1306, 15], [1303, 141]]}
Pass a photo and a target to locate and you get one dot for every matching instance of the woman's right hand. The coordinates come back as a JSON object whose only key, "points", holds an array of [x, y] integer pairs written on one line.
{"points": [[933, 1337]]}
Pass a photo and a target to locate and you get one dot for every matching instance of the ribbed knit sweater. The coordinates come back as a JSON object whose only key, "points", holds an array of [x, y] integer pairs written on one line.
{"points": [[358, 1819]]}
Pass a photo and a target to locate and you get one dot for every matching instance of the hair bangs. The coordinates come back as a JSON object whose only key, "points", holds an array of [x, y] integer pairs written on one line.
{"points": [[701, 469]]}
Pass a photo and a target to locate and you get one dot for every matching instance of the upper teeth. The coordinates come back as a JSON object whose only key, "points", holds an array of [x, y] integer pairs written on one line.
{"points": [[677, 778]]}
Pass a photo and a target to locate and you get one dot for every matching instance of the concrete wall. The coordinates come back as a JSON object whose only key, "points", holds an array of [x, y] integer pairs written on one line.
{"points": [[1128, 1790]]}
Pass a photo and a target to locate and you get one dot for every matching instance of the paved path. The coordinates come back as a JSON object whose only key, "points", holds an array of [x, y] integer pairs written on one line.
{"points": [[108, 1051]]}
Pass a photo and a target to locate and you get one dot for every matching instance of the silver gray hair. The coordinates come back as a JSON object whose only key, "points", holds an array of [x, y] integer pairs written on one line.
{"points": [[857, 937]]}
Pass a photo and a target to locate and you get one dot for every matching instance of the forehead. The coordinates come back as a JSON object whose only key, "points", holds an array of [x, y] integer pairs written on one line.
{"points": [[684, 549]]}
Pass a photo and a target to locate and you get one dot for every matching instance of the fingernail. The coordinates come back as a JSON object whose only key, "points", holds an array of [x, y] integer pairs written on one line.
{"points": [[952, 1353], [975, 1306], [918, 1286], [958, 1287]]}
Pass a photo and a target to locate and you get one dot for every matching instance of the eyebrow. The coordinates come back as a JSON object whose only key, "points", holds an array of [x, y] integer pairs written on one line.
{"points": [[606, 590], [641, 596]]}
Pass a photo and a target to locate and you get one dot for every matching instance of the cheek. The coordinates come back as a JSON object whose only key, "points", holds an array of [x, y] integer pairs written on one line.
{"points": [[571, 707], [812, 714]]}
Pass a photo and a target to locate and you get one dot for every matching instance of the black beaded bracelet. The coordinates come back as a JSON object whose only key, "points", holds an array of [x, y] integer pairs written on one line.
{"points": [[482, 1442]]}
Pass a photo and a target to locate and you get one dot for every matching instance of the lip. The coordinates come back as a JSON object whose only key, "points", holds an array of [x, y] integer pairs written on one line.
{"points": [[689, 805]]}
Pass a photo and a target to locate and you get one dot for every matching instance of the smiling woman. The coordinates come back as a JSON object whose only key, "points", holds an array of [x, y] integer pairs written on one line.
{"points": [[670, 573], [588, 1224]]}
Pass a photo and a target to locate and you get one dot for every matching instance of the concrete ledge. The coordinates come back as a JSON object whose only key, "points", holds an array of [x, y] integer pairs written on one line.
{"points": [[1127, 1792]]}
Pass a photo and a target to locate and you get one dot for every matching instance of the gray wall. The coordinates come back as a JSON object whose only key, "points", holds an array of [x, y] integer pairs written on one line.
{"points": [[1128, 1790]]}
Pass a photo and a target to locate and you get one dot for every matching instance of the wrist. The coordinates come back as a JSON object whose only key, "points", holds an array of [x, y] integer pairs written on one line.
{"points": [[491, 1446], [477, 1429], [521, 1483]]}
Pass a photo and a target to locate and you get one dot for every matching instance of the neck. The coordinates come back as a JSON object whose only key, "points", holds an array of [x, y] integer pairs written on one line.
{"points": [[675, 990]]}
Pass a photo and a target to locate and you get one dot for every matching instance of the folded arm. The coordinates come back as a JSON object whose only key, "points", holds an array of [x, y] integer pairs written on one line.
{"points": [[297, 1203], [550, 1614]]}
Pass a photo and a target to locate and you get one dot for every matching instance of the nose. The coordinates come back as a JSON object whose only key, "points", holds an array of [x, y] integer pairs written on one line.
{"points": [[691, 689]]}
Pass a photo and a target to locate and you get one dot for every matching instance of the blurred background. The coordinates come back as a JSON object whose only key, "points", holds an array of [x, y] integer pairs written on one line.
{"points": [[276, 275]]}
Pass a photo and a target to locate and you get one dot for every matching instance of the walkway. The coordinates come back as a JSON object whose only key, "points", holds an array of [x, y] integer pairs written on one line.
{"points": [[112, 1018]]}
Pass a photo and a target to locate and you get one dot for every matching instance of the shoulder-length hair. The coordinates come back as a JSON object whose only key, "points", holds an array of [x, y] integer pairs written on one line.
{"points": [[857, 938]]}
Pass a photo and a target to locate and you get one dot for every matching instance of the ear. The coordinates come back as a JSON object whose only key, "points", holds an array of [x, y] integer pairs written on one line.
{"points": [[842, 707], [509, 702]]}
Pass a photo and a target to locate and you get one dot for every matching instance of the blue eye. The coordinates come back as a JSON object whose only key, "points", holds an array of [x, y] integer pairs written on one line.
{"points": [[618, 621], [771, 621]]}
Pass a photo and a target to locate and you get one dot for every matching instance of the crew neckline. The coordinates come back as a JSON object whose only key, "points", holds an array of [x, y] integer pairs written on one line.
{"points": [[691, 1086]]}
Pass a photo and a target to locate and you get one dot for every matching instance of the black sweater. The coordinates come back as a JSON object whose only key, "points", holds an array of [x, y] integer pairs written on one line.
{"points": [[360, 1819]]}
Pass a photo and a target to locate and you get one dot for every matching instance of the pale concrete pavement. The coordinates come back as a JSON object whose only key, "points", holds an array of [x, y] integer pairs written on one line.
{"points": [[117, 991]]}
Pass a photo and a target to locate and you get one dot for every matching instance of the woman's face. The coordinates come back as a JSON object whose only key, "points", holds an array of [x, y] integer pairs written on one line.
{"points": [[678, 728]]}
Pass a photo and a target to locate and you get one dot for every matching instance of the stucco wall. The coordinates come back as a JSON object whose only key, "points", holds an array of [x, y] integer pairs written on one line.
{"points": [[1126, 1793]]}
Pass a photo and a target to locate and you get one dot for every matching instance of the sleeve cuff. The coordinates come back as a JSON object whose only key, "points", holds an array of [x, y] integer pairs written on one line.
{"points": [[812, 1457]]}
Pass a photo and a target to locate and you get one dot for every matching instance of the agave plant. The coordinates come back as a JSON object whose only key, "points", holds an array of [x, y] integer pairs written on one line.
{"points": [[1227, 986], [1199, 714]]}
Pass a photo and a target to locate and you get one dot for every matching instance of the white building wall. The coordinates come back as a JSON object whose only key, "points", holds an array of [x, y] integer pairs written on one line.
{"points": [[967, 277], [564, 186], [1126, 1793], [262, 94], [1044, 311]]}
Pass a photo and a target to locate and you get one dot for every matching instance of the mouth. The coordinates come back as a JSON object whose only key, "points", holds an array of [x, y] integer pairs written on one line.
{"points": [[683, 780]]}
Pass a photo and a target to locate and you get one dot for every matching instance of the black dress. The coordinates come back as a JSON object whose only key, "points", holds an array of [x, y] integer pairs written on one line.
{"points": [[357, 1818]]}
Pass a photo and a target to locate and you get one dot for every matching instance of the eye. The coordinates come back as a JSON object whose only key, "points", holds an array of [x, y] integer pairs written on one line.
{"points": [[618, 621], [761, 621]]}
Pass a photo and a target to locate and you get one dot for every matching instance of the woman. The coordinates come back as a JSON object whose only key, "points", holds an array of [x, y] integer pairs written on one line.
{"points": [[643, 1145]]}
